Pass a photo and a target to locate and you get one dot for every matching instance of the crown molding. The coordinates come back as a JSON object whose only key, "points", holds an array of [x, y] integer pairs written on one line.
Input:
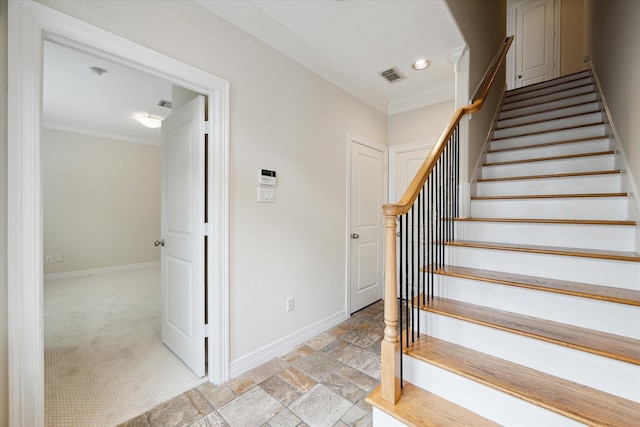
{"points": [[259, 24], [422, 99], [104, 135]]}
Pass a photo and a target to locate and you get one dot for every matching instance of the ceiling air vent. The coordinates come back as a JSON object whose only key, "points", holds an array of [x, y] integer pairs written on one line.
{"points": [[164, 103], [393, 75]]}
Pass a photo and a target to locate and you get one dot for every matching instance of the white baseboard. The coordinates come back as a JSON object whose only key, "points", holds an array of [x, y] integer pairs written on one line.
{"points": [[78, 273], [284, 345]]}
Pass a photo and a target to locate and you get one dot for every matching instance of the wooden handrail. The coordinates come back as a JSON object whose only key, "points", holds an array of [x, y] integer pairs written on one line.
{"points": [[410, 195], [390, 350]]}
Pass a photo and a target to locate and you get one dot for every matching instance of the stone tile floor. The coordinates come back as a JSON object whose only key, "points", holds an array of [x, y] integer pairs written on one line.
{"points": [[323, 382]]}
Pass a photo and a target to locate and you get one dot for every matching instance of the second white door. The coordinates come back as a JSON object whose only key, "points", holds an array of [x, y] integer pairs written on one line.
{"points": [[366, 225]]}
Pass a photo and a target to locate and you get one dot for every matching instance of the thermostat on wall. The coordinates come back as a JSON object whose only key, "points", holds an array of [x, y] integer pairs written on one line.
{"points": [[267, 177]]}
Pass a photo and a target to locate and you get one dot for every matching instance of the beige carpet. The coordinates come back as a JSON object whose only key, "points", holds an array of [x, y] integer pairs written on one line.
{"points": [[104, 361]]}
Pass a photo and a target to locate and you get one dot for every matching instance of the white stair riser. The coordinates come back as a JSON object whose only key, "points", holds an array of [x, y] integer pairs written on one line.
{"points": [[382, 419], [613, 318], [590, 107], [607, 183], [597, 208], [581, 147], [544, 138], [574, 164], [603, 373], [549, 86], [560, 103], [483, 400], [550, 125], [602, 237], [595, 271], [549, 97]]}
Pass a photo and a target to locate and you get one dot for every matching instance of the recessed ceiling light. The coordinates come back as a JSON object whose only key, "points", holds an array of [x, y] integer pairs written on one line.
{"points": [[149, 121], [421, 64]]}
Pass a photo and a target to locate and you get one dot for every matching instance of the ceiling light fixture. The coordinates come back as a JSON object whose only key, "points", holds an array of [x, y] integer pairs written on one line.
{"points": [[149, 121], [421, 64]]}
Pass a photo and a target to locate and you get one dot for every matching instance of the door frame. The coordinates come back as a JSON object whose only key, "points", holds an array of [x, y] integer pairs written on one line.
{"points": [[511, 30], [30, 24], [353, 138]]}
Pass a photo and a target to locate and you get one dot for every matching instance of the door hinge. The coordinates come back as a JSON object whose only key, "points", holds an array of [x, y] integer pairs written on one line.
{"points": [[207, 128], [205, 229], [206, 330]]}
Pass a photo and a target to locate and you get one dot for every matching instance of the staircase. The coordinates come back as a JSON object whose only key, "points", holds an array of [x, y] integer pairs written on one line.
{"points": [[536, 318]]}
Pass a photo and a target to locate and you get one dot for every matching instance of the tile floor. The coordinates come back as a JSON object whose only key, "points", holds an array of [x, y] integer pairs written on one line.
{"points": [[323, 382]]}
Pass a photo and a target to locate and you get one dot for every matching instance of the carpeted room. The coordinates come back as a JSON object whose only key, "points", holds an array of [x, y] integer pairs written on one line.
{"points": [[104, 360]]}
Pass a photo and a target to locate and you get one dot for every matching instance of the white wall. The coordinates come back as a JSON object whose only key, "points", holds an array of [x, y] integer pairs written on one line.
{"points": [[101, 201], [4, 377], [419, 124], [283, 117], [612, 46], [483, 26], [571, 37]]}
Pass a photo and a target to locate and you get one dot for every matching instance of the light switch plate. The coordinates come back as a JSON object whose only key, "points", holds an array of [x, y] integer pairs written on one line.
{"points": [[266, 195]]}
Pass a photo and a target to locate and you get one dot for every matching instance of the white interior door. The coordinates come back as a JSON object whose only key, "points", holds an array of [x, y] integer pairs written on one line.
{"points": [[405, 162], [182, 227], [405, 165], [367, 225], [534, 40]]}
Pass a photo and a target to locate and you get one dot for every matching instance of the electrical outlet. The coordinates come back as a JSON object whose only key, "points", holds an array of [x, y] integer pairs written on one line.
{"points": [[289, 303], [59, 258], [47, 258]]}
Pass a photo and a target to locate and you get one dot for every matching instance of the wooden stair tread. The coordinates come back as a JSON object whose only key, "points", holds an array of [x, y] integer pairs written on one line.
{"points": [[577, 104], [552, 250], [418, 407], [548, 83], [550, 176], [551, 221], [578, 402], [508, 103], [557, 88], [550, 158], [584, 290], [588, 340], [548, 144], [534, 122], [550, 196], [511, 109], [549, 131]]}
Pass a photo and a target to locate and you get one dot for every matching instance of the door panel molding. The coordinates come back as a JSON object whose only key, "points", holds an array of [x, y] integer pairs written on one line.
{"points": [[512, 6], [30, 24]]}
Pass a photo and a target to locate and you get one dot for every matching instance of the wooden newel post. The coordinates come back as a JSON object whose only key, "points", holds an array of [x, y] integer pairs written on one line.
{"points": [[390, 346]]}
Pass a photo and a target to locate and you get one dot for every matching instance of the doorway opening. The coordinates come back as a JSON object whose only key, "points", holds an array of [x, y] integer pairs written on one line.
{"points": [[34, 23], [104, 358]]}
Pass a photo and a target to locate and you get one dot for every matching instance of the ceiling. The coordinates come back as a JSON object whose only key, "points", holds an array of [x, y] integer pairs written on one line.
{"points": [[348, 42], [77, 100]]}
